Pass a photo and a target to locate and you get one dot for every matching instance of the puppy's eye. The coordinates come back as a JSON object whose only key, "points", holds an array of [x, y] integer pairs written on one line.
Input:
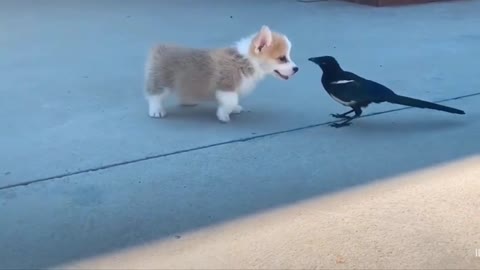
{"points": [[283, 59]]}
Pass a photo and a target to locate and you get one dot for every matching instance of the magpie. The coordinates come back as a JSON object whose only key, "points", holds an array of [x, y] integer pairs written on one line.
{"points": [[356, 92]]}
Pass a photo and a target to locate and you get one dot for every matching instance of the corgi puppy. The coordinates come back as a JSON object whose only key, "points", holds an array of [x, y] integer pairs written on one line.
{"points": [[222, 74]]}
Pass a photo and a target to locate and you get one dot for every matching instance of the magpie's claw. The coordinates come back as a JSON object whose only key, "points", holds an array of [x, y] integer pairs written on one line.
{"points": [[337, 115]]}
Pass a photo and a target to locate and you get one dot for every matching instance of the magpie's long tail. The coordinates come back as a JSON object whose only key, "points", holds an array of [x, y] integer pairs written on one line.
{"points": [[412, 102]]}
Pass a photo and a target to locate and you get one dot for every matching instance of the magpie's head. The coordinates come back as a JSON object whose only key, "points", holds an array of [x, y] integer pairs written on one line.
{"points": [[326, 63]]}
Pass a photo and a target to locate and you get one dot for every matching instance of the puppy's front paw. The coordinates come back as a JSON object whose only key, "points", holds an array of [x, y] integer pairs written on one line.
{"points": [[237, 109], [223, 116], [157, 113]]}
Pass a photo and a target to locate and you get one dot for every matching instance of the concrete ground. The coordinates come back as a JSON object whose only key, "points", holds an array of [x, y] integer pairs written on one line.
{"points": [[89, 181]]}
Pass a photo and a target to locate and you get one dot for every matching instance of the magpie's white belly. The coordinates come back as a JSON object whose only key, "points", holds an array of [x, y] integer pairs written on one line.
{"points": [[344, 103]]}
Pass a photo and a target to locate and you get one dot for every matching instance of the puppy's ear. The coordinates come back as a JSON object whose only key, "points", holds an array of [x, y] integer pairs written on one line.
{"points": [[263, 39]]}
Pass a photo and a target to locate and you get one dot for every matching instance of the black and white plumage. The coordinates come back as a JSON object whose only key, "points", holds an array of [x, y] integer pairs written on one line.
{"points": [[356, 92]]}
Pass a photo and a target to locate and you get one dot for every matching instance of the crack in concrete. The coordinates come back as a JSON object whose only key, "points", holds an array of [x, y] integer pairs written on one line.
{"points": [[246, 139]]}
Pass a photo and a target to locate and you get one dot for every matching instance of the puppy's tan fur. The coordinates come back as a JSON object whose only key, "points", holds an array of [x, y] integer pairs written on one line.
{"points": [[224, 74], [195, 74]]}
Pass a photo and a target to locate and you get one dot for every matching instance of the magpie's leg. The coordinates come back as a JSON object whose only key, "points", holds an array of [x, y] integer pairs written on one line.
{"points": [[343, 115], [348, 121]]}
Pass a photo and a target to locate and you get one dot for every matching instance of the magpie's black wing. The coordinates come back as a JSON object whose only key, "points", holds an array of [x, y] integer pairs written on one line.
{"points": [[355, 88], [348, 88]]}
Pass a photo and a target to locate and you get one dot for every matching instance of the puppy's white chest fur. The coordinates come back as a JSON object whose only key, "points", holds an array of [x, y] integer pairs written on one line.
{"points": [[248, 84]]}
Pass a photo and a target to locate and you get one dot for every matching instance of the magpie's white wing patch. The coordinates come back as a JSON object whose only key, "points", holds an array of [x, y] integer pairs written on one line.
{"points": [[342, 81]]}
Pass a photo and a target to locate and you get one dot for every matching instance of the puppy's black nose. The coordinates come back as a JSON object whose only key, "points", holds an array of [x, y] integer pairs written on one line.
{"points": [[295, 69]]}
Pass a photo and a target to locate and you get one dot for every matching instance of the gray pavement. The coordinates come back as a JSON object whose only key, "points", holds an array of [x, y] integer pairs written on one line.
{"points": [[102, 176]]}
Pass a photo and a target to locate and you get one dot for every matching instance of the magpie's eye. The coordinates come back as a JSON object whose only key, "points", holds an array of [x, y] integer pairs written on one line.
{"points": [[283, 59]]}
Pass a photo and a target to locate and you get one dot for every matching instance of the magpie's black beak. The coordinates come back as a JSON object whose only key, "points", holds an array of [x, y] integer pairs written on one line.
{"points": [[311, 59]]}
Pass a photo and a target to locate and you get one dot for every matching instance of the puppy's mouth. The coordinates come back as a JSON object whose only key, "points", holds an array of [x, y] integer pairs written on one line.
{"points": [[281, 75]]}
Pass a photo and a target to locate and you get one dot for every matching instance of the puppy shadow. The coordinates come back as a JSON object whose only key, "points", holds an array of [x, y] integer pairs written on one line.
{"points": [[206, 114], [191, 113]]}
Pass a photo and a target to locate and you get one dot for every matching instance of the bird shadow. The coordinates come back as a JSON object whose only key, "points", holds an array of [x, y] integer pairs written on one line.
{"points": [[407, 125]]}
